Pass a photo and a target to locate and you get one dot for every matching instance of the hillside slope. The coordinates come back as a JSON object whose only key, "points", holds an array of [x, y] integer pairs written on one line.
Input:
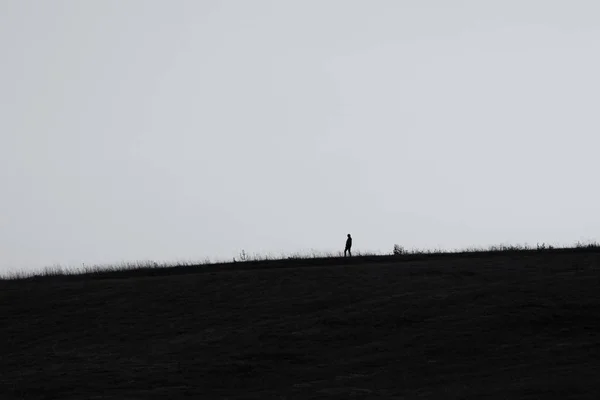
{"points": [[519, 325]]}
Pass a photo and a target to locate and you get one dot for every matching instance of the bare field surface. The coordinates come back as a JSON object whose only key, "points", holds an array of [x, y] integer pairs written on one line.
{"points": [[515, 326]]}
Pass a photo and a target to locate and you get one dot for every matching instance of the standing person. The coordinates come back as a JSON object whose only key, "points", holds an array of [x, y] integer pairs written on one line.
{"points": [[348, 247]]}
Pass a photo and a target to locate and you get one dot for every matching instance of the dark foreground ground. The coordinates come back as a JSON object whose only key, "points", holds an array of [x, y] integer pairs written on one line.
{"points": [[502, 326]]}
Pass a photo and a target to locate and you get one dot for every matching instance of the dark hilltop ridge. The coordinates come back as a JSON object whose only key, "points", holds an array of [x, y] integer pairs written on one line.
{"points": [[507, 323]]}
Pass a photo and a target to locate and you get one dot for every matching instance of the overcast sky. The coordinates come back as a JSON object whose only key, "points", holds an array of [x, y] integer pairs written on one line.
{"points": [[171, 130]]}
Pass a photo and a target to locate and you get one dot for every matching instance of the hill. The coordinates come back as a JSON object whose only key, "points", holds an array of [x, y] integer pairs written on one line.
{"points": [[496, 325]]}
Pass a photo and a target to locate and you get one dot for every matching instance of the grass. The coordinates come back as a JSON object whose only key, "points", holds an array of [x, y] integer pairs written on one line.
{"points": [[500, 323], [153, 268]]}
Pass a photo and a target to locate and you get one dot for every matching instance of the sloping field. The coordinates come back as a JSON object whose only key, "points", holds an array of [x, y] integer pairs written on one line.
{"points": [[515, 325]]}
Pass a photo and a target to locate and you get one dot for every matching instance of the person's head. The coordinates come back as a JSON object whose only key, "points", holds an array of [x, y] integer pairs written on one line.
{"points": [[348, 235]]}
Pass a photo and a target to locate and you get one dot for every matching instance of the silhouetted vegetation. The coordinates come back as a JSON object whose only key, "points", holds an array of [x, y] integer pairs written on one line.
{"points": [[153, 268]]}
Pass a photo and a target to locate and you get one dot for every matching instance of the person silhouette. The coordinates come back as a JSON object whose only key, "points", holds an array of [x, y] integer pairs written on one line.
{"points": [[348, 247]]}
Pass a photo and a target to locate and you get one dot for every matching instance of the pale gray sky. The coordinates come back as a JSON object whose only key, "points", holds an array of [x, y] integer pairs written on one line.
{"points": [[145, 129]]}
